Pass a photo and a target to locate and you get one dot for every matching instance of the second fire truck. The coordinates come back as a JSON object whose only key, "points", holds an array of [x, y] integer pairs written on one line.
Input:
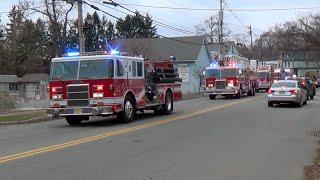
{"points": [[230, 80], [88, 85]]}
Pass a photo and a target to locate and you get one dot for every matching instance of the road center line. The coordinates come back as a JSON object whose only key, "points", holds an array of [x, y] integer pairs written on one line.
{"points": [[117, 132]]}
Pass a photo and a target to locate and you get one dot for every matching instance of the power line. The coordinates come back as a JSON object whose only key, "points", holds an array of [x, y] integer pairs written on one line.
{"points": [[215, 9], [235, 16], [173, 39], [155, 21]]}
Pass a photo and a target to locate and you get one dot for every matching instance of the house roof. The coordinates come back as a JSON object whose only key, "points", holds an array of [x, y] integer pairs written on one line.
{"points": [[34, 78], [182, 48], [8, 78]]}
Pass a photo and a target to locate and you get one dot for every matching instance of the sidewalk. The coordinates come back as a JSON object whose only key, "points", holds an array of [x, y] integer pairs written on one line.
{"points": [[18, 112]]}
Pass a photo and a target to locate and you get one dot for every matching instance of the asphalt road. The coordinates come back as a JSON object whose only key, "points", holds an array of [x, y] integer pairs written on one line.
{"points": [[203, 139]]}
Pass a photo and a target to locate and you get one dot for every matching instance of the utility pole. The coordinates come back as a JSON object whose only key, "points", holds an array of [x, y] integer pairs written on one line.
{"points": [[261, 51], [250, 33], [80, 24], [221, 27]]}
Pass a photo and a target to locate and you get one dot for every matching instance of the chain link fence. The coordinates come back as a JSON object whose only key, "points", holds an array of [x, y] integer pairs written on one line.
{"points": [[30, 97]]}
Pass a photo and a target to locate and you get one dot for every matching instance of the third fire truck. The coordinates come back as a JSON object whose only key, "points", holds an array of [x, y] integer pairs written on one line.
{"points": [[107, 84], [229, 80]]}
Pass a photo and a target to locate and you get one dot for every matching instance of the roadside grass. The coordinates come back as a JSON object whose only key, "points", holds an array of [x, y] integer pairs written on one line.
{"points": [[22, 117]]}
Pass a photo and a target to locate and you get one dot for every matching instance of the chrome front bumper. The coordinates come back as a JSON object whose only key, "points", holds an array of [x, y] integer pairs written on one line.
{"points": [[263, 86], [80, 111], [229, 91]]}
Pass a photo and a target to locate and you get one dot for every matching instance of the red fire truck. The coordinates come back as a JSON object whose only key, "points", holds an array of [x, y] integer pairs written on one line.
{"points": [[233, 80], [265, 77], [110, 84]]}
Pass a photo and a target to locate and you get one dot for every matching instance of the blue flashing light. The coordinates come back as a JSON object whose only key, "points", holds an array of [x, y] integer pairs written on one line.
{"points": [[213, 65], [115, 52], [73, 53]]}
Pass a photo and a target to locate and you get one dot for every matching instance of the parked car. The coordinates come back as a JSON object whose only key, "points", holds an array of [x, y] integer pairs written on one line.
{"points": [[313, 87], [317, 83], [307, 82], [288, 92]]}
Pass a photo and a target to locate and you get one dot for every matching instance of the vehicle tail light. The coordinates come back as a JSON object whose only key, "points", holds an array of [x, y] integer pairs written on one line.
{"points": [[271, 91], [97, 87], [294, 91]]}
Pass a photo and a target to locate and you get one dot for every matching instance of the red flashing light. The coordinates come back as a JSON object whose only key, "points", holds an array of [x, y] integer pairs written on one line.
{"points": [[98, 87], [56, 89]]}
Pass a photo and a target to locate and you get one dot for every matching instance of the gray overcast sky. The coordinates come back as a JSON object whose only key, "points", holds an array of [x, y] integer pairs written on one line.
{"points": [[260, 21]]}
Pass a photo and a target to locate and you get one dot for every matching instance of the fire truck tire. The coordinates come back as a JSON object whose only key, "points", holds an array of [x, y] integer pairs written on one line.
{"points": [[73, 120], [167, 108], [129, 110], [212, 97], [239, 95], [270, 104]]}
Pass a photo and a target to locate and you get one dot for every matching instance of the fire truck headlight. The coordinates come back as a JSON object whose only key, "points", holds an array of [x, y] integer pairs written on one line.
{"points": [[230, 85], [57, 96], [97, 95], [210, 85]]}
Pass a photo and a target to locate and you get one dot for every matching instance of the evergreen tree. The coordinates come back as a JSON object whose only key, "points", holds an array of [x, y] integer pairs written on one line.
{"points": [[136, 26], [73, 36]]}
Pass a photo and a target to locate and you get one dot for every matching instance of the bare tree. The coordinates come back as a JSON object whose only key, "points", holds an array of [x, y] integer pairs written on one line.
{"points": [[56, 14], [210, 28]]}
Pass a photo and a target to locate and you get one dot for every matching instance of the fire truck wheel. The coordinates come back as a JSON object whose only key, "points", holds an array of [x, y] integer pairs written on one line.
{"points": [[129, 110], [73, 120], [167, 108], [239, 95]]}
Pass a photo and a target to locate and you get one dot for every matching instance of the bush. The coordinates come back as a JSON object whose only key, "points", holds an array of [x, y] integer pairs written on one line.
{"points": [[6, 102]]}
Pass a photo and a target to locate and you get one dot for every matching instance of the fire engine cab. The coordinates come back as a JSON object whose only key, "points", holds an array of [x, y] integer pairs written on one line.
{"points": [[103, 84], [265, 77], [232, 80]]}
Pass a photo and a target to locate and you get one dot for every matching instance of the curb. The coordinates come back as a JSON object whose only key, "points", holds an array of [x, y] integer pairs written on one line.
{"points": [[44, 119], [193, 97], [33, 120]]}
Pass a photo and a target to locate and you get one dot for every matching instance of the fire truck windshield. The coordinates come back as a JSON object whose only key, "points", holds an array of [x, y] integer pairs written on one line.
{"points": [[212, 73], [263, 74], [64, 70], [229, 73], [88, 69], [96, 69]]}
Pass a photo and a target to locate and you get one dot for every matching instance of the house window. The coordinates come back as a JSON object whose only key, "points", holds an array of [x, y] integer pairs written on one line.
{"points": [[38, 86], [139, 69], [24, 87], [13, 87]]}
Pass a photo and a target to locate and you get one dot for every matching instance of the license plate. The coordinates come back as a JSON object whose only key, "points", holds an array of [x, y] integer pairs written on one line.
{"points": [[282, 92], [78, 111]]}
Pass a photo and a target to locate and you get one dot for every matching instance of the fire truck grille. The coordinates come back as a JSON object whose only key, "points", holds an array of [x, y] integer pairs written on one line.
{"points": [[78, 95], [220, 84]]}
